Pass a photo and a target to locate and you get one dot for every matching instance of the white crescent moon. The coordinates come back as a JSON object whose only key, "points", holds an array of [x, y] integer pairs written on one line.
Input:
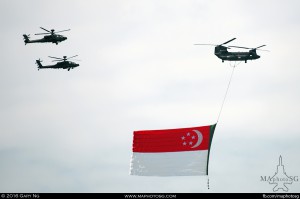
{"points": [[200, 138]]}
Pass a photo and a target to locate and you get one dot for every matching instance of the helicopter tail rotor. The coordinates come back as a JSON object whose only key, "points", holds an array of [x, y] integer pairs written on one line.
{"points": [[26, 38], [38, 62]]}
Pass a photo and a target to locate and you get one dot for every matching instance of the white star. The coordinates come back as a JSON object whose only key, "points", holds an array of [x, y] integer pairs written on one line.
{"points": [[193, 137], [183, 138], [184, 143], [188, 134], [190, 143]]}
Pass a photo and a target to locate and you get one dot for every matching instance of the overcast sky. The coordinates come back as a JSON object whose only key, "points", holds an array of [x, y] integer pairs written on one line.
{"points": [[71, 131]]}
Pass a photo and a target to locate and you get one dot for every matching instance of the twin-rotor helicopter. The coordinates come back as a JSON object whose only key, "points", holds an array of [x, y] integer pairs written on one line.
{"points": [[222, 53], [53, 37]]}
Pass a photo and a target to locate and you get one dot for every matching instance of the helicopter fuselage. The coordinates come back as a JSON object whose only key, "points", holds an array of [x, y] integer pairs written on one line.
{"points": [[222, 53], [48, 38], [60, 65]]}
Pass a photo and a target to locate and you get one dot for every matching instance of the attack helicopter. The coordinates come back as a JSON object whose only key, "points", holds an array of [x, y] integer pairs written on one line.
{"points": [[62, 63], [50, 36], [222, 53]]}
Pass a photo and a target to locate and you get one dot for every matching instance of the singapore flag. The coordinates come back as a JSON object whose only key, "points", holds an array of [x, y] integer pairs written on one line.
{"points": [[171, 152]]}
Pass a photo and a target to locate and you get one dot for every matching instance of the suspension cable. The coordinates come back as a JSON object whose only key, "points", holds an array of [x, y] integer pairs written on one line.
{"points": [[233, 67]]}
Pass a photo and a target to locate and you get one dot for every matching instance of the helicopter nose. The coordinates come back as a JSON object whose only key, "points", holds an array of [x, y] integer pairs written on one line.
{"points": [[65, 38]]}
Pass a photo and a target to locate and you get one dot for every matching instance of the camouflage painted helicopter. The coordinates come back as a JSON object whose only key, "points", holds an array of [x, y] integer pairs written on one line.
{"points": [[50, 36], [62, 63], [222, 53]]}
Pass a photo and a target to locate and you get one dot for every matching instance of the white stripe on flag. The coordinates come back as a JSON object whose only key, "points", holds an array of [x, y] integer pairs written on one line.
{"points": [[185, 163]]}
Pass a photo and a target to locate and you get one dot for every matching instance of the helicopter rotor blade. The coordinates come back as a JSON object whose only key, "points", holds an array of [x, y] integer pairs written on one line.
{"points": [[42, 33], [213, 45], [71, 57], [250, 48], [228, 41], [62, 30], [54, 57], [261, 49], [57, 59], [45, 29], [64, 60], [219, 44], [240, 47], [259, 46], [206, 44]]}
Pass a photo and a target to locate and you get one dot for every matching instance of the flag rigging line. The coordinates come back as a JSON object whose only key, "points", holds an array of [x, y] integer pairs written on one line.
{"points": [[233, 67]]}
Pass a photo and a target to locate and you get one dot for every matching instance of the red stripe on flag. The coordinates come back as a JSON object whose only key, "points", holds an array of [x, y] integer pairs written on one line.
{"points": [[171, 140]]}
